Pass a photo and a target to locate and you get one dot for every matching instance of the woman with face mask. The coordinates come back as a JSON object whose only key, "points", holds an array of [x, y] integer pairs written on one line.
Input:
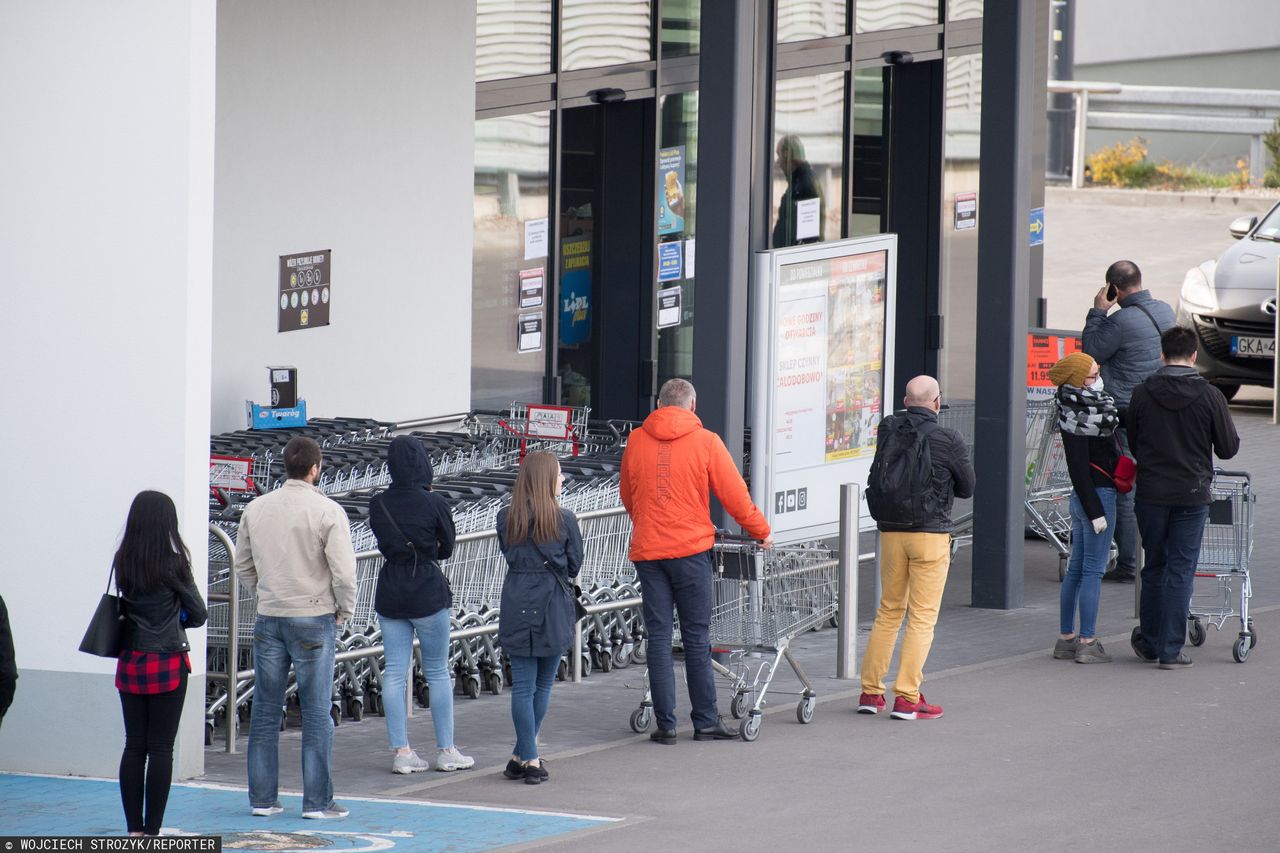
{"points": [[1087, 418]]}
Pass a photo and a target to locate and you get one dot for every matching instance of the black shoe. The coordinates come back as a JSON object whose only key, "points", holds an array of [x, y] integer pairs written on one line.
{"points": [[664, 736], [536, 774], [514, 770], [717, 732], [1118, 576], [1139, 646], [1180, 662]]}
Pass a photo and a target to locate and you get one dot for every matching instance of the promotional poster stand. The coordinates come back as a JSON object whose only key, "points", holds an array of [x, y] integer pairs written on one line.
{"points": [[822, 368]]}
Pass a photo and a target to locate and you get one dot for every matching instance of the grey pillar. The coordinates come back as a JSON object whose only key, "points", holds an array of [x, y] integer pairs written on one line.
{"points": [[1008, 102], [727, 69]]}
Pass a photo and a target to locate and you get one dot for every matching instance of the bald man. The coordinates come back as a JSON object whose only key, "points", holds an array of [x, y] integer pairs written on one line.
{"points": [[915, 547]]}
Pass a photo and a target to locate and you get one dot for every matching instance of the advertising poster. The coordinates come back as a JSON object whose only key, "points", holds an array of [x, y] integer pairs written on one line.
{"points": [[304, 291], [801, 363], [855, 355], [532, 288], [669, 260], [575, 290], [670, 188], [966, 211], [1045, 347]]}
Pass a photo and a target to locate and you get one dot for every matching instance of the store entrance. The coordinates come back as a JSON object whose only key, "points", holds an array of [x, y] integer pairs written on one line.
{"points": [[604, 310]]}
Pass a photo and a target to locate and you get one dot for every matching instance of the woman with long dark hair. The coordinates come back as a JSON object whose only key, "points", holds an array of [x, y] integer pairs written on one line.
{"points": [[543, 548], [153, 575]]}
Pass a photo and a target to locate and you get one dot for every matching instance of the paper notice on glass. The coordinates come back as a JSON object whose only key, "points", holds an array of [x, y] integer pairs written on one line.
{"points": [[531, 288], [529, 333], [808, 212], [669, 306], [688, 258], [535, 239]]}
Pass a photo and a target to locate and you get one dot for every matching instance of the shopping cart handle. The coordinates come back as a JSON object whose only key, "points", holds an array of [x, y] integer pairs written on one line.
{"points": [[1226, 473], [726, 536]]}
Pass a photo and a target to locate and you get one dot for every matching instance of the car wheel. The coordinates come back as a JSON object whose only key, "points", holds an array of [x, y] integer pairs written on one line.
{"points": [[1228, 391]]}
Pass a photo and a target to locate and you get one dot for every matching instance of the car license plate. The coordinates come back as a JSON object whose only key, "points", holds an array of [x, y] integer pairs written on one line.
{"points": [[1248, 347]]}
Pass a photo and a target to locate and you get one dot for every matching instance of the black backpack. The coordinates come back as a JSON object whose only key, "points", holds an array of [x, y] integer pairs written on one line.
{"points": [[900, 490]]}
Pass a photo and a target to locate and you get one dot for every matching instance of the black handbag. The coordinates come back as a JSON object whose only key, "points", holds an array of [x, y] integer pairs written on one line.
{"points": [[105, 635]]}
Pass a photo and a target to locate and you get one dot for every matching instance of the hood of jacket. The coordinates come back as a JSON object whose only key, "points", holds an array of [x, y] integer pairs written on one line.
{"points": [[408, 463], [1175, 387], [671, 422]]}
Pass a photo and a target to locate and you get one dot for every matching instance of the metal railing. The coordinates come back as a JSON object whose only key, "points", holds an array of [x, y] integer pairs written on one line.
{"points": [[1120, 106]]}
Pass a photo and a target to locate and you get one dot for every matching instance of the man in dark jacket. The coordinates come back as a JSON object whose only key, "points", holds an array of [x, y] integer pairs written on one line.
{"points": [[1177, 422], [914, 563], [8, 662], [1127, 346], [802, 185]]}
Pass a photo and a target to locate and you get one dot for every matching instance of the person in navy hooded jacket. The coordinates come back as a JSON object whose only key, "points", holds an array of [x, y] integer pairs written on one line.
{"points": [[414, 529]]}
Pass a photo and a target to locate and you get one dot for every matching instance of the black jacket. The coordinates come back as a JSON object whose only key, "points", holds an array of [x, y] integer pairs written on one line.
{"points": [[153, 619], [409, 588], [8, 662], [537, 617], [952, 472], [1177, 421], [1083, 452]]}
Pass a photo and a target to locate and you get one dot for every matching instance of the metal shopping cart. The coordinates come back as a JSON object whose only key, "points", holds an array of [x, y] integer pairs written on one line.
{"points": [[762, 599], [1048, 482], [1224, 589]]}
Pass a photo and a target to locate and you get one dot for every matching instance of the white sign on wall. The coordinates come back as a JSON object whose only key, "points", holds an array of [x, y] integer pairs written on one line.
{"points": [[826, 316]]}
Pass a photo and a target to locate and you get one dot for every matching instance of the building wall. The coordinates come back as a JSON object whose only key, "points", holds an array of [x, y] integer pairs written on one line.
{"points": [[346, 126], [106, 162], [1153, 29]]}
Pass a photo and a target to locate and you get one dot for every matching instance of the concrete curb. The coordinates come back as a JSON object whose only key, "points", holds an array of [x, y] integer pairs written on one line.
{"points": [[1232, 203]]}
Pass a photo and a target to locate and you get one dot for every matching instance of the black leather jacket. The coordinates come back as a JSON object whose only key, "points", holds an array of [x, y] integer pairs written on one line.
{"points": [[153, 619]]}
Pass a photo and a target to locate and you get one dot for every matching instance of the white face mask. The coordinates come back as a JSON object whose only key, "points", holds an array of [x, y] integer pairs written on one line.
{"points": [[1096, 386]]}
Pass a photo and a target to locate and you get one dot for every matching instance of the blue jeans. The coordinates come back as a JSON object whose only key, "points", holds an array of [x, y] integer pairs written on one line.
{"points": [[1171, 539], [1126, 524], [531, 680], [433, 640], [1089, 551], [685, 584], [307, 642]]}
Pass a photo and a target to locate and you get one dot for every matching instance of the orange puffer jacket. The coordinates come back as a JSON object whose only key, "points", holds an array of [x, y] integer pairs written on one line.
{"points": [[668, 468]]}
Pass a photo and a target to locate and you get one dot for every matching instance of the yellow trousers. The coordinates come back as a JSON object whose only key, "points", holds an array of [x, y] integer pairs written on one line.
{"points": [[913, 571]]}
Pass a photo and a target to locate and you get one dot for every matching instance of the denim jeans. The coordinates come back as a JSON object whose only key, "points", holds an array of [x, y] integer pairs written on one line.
{"points": [[531, 680], [433, 640], [682, 583], [1171, 539], [1089, 552], [1125, 526], [307, 642]]}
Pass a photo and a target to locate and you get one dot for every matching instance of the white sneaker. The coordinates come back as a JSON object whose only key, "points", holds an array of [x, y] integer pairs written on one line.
{"points": [[334, 812], [406, 764], [267, 811], [450, 759]]}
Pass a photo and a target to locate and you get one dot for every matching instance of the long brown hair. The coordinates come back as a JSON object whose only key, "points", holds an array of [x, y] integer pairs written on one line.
{"points": [[535, 513]]}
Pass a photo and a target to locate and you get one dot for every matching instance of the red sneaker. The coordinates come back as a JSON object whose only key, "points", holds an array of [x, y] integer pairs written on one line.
{"points": [[870, 703], [922, 710]]}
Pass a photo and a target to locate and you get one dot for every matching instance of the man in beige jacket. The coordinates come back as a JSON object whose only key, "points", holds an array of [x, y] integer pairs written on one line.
{"points": [[294, 549]]}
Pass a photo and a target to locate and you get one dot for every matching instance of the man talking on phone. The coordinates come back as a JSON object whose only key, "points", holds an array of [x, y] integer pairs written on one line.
{"points": [[1126, 344]]}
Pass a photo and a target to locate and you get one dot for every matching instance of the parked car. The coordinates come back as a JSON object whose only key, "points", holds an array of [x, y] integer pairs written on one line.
{"points": [[1231, 303]]}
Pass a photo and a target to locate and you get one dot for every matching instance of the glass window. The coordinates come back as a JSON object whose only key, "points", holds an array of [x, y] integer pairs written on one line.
{"points": [[594, 34], [875, 15], [870, 152], [808, 165], [800, 20], [681, 28], [677, 223], [959, 10], [513, 38], [961, 219], [512, 156]]}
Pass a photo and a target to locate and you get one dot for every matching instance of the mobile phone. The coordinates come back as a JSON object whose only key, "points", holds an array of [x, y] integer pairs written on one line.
{"points": [[1111, 293]]}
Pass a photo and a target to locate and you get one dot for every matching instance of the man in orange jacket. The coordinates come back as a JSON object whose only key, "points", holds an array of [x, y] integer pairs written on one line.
{"points": [[667, 469]]}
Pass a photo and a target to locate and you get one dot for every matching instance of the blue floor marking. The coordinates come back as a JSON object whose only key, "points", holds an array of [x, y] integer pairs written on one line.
{"points": [[48, 805]]}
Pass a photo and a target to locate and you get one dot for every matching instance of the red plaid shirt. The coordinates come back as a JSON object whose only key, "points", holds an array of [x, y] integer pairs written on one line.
{"points": [[150, 672]]}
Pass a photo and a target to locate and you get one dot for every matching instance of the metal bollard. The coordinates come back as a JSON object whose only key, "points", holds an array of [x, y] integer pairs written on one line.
{"points": [[847, 591]]}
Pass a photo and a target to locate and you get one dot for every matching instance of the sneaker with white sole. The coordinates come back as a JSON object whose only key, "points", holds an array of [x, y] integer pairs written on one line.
{"points": [[905, 709], [333, 812], [448, 760], [410, 763], [266, 811], [870, 703]]}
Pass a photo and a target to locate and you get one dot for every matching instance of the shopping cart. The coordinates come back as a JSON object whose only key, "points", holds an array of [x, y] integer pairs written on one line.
{"points": [[1048, 481], [762, 599], [1223, 567]]}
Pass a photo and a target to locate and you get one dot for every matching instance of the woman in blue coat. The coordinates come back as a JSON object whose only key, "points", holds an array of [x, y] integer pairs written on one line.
{"points": [[543, 548]]}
